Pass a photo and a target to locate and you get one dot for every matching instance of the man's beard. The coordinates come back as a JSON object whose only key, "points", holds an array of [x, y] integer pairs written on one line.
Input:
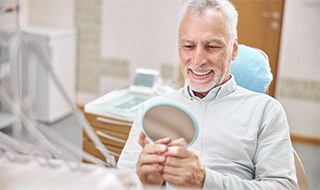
{"points": [[201, 87]]}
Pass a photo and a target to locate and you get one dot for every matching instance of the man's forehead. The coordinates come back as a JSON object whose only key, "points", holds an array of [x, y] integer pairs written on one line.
{"points": [[207, 27], [214, 40]]}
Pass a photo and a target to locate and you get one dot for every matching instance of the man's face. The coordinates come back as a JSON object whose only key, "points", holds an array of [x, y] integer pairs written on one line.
{"points": [[205, 50]]}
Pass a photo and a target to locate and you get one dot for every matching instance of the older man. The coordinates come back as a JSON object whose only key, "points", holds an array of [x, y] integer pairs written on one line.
{"points": [[243, 138]]}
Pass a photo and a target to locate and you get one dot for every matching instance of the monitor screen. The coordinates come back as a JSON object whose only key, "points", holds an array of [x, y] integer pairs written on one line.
{"points": [[144, 79]]}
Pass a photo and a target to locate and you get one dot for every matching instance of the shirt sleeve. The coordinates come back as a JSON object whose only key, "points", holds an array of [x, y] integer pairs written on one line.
{"points": [[273, 160], [131, 150]]}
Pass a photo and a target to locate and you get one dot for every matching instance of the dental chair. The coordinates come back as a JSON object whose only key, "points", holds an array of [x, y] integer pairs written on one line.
{"points": [[251, 70]]}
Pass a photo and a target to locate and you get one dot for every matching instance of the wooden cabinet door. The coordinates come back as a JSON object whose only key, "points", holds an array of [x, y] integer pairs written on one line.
{"points": [[259, 26]]}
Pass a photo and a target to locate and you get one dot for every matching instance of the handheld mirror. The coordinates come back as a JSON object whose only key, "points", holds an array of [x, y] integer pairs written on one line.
{"points": [[164, 118]]}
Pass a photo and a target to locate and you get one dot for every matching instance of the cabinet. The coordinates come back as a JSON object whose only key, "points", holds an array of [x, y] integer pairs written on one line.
{"points": [[113, 132], [25, 57], [59, 45], [111, 117]]}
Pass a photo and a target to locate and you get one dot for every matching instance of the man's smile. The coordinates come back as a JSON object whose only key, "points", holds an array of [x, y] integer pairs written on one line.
{"points": [[200, 75]]}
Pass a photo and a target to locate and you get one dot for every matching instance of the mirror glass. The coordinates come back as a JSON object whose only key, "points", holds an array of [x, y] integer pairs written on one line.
{"points": [[162, 119]]}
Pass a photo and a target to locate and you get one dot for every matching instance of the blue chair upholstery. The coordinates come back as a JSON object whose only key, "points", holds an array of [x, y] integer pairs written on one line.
{"points": [[251, 69]]}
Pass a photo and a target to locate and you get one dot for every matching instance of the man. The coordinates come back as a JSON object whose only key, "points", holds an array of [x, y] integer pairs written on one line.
{"points": [[243, 138]]}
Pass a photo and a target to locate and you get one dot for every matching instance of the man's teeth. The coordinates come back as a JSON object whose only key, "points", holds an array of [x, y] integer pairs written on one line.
{"points": [[201, 73]]}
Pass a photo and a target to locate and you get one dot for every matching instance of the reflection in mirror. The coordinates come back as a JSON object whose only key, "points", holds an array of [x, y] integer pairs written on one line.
{"points": [[163, 119]]}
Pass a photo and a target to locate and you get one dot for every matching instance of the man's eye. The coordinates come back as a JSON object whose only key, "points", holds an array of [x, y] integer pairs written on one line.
{"points": [[188, 47], [212, 47]]}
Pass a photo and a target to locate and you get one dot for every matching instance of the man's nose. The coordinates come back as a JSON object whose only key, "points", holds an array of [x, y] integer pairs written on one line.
{"points": [[199, 56]]}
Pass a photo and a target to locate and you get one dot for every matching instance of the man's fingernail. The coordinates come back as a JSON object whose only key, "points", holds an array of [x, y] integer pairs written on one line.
{"points": [[162, 158], [163, 148]]}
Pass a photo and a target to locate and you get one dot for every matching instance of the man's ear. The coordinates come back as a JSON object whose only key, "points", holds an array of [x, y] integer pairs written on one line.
{"points": [[235, 50]]}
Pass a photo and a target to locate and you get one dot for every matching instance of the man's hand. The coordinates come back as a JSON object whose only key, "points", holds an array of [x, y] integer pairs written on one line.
{"points": [[151, 160], [171, 161], [182, 166]]}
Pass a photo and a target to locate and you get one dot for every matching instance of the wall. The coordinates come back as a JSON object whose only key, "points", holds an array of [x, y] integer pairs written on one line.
{"points": [[116, 37], [40, 12], [299, 66], [50, 12], [145, 35], [8, 15]]}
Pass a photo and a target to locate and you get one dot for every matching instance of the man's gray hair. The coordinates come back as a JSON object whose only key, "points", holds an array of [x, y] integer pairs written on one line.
{"points": [[221, 5]]}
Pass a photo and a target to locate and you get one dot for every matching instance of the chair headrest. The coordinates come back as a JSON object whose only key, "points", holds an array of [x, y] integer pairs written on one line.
{"points": [[251, 69]]}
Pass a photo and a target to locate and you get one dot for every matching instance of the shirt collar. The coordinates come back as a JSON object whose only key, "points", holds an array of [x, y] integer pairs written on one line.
{"points": [[215, 93]]}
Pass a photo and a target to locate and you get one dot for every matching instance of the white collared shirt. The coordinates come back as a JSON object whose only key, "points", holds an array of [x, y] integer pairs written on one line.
{"points": [[243, 141]]}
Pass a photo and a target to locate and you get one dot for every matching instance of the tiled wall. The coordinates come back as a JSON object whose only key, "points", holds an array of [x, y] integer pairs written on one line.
{"points": [[90, 65], [300, 98], [299, 89]]}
